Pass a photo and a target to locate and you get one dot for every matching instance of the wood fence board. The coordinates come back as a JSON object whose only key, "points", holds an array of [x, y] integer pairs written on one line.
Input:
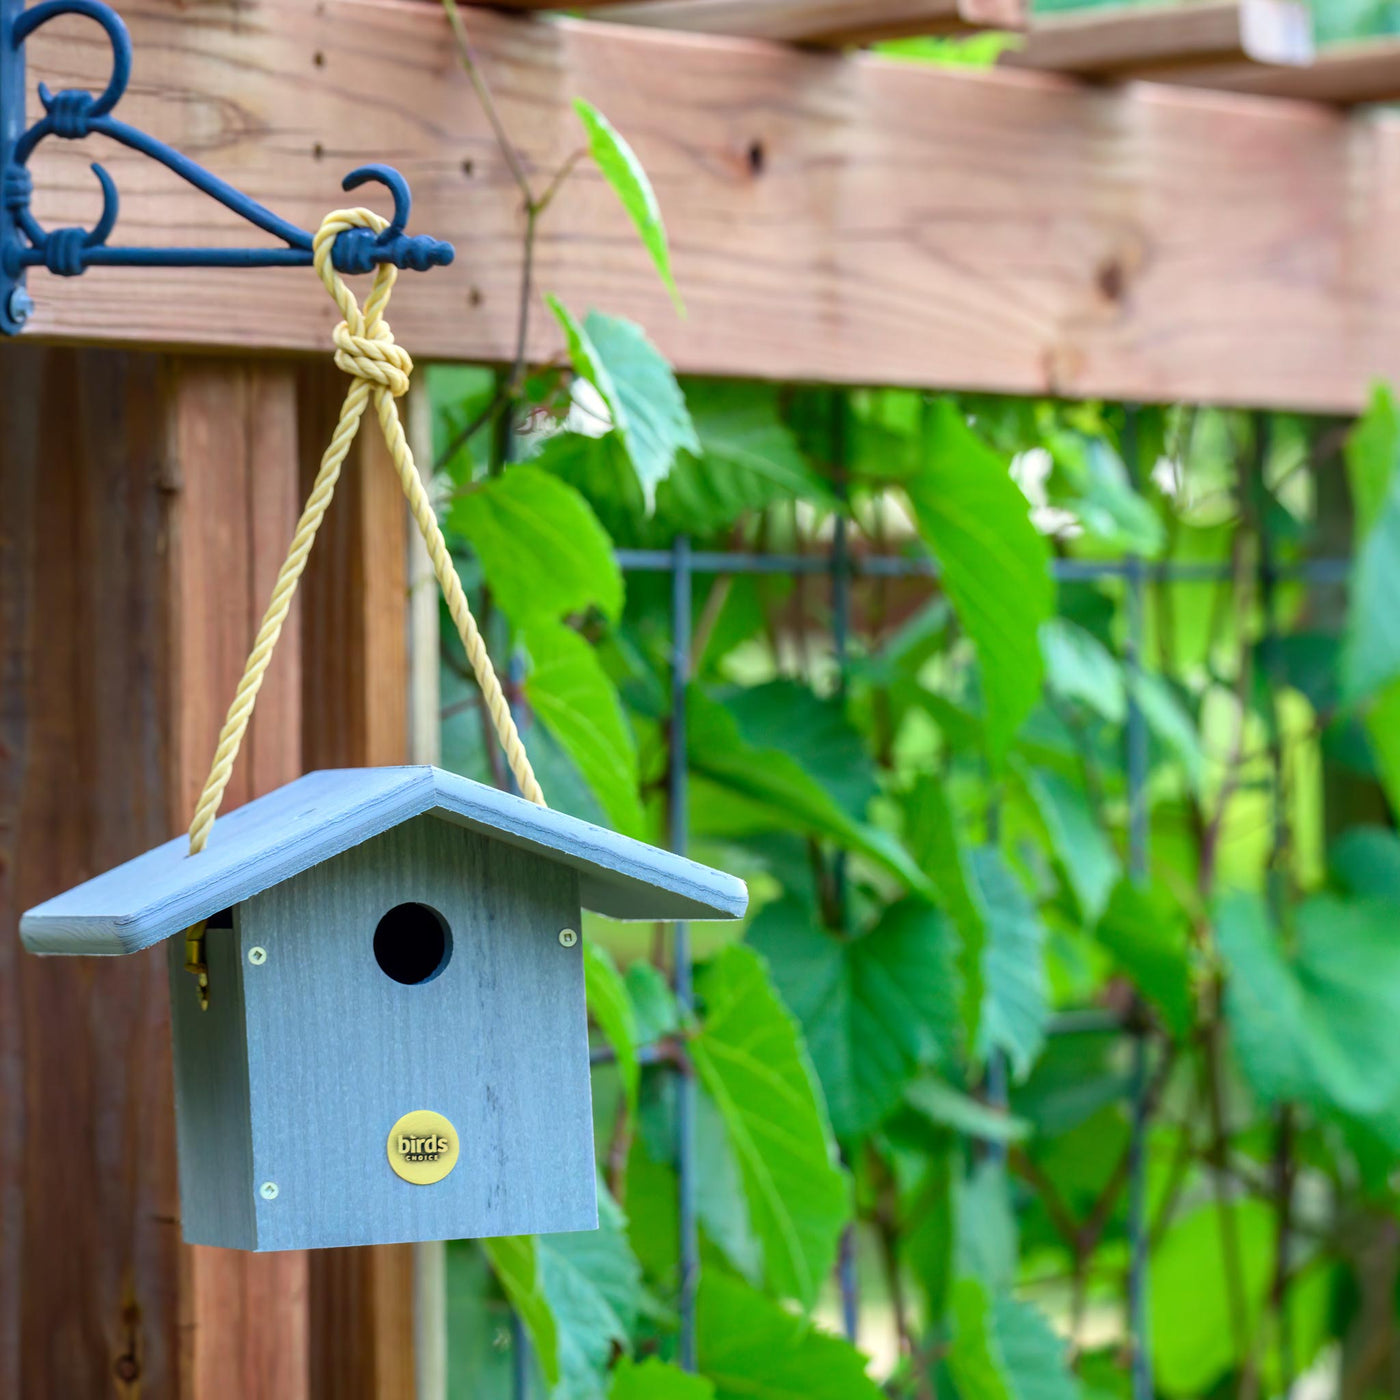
{"points": [[1344, 75], [834, 218], [355, 660], [824, 23], [234, 479], [1161, 39]]}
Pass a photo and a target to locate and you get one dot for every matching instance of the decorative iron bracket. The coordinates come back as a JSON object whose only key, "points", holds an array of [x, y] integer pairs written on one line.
{"points": [[75, 113]]}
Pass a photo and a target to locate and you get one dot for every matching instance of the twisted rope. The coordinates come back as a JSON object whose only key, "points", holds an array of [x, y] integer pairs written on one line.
{"points": [[379, 369]]}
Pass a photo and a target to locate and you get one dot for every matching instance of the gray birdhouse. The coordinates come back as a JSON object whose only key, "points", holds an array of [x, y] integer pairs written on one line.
{"points": [[395, 1046]]}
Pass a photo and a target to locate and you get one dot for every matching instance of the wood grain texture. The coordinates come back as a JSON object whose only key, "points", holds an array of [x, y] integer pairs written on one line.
{"points": [[1167, 39], [285, 832], [231, 467], [127, 497], [89, 1238], [1342, 75], [823, 23], [1148, 242], [363, 1304], [497, 1042]]}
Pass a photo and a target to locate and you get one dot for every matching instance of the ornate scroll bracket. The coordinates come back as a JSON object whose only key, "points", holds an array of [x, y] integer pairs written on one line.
{"points": [[75, 113]]}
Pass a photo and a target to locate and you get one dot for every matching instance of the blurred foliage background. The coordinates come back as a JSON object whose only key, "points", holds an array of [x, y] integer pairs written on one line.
{"points": [[1073, 874]]}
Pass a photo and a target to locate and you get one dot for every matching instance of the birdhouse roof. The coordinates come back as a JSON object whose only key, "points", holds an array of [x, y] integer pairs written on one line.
{"points": [[278, 836]]}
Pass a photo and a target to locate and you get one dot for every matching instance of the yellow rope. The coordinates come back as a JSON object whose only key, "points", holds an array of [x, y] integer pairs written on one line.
{"points": [[379, 369]]}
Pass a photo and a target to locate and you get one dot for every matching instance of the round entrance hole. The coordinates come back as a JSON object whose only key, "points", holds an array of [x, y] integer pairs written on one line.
{"points": [[412, 944]]}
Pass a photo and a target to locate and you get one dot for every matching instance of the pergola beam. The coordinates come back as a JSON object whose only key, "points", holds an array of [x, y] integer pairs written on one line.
{"points": [[822, 23], [1344, 75], [1168, 40], [836, 218]]}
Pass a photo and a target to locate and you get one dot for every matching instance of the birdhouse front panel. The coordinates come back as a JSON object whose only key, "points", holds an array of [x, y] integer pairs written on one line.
{"points": [[416, 1049]]}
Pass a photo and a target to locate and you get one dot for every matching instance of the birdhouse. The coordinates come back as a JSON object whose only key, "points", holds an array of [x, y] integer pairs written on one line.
{"points": [[395, 1043]]}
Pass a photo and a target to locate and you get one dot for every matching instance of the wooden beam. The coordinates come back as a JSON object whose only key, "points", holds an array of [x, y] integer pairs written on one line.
{"points": [[144, 501], [356, 676], [1343, 75], [823, 23], [1156, 40], [232, 464], [834, 217]]}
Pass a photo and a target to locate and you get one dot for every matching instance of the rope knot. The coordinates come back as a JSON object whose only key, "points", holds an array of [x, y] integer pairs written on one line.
{"points": [[373, 356]]}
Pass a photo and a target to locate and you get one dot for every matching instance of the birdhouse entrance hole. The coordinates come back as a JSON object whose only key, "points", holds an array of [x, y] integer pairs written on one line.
{"points": [[412, 944]]}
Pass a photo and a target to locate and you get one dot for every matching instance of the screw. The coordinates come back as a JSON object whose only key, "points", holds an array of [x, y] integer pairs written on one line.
{"points": [[268, 1190], [21, 304], [567, 937], [257, 956]]}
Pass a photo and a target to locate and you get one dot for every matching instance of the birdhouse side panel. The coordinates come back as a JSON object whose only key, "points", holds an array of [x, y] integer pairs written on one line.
{"points": [[212, 1117], [352, 1025]]}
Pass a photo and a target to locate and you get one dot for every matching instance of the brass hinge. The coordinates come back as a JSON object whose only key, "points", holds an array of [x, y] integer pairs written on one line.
{"points": [[194, 961]]}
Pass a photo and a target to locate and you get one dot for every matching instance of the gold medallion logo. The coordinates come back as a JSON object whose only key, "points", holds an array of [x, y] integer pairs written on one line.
{"points": [[422, 1147]]}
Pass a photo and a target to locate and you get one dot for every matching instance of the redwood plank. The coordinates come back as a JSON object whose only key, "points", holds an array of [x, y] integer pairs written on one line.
{"points": [[89, 1245], [1343, 75], [356, 713], [834, 217], [822, 23], [1168, 40], [233, 455]]}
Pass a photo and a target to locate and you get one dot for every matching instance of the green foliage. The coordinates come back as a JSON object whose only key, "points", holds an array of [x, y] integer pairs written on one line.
{"points": [[573, 698], [645, 404], [753, 1349], [873, 1008], [624, 173], [751, 1060], [610, 1006], [936, 827], [996, 566], [515, 521]]}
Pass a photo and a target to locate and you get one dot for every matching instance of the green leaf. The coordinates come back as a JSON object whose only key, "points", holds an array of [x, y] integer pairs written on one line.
{"points": [[632, 377], [594, 1286], [995, 565], [1383, 733], [1079, 667], [941, 1103], [1083, 850], [1372, 456], [1103, 498], [1014, 1012], [1371, 647], [933, 833], [1365, 861], [777, 770], [611, 1007], [1188, 1281], [541, 547], [654, 1379], [750, 1058], [573, 698], [1317, 1026], [624, 173], [653, 1002], [754, 1349], [720, 1203], [1149, 937], [1171, 724], [750, 459], [1003, 1349], [873, 1008], [515, 1260], [986, 1241]]}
